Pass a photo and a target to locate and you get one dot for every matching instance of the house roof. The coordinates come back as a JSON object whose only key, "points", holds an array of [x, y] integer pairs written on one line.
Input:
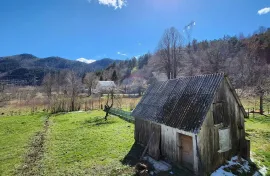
{"points": [[180, 103], [106, 83]]}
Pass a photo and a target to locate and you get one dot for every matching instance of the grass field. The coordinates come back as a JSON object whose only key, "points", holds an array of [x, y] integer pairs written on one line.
{"points": [[16, 133], [85, 144], [258, 131], [82, 143], [78, 143]]}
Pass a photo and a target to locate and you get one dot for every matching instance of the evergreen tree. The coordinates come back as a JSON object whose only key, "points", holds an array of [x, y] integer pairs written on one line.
{"points": [[114, 76]]}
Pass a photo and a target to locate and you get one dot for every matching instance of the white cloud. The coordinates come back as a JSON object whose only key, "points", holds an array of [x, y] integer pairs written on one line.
{"points": [[264, 11], [122, 54], [112, 3], [88, 61], [139, 43], [122, 3]]}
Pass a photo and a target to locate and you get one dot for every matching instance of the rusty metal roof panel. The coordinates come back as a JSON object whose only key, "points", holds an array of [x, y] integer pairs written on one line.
{"points": [[180, 103]]}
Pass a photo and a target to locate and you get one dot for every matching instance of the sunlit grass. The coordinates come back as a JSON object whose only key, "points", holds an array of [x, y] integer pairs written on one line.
{"points": [[15, 135], [258, 131], [85, 144]]}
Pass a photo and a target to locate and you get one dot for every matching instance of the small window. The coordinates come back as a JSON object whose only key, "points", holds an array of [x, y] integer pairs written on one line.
{"points": [[224, 140], [218, 113]]}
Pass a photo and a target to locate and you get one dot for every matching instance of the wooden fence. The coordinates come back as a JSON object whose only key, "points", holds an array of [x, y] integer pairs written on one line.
{"points": [[125, 115]]}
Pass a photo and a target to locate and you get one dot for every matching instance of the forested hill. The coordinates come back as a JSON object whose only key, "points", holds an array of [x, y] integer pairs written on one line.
{"points": [[31, 69], [245, 59]]}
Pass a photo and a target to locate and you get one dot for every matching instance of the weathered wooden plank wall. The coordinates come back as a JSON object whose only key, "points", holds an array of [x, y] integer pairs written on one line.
{"points": [[165, 140], [154, 146], [169, 143], [208, 138], [143, 131]]}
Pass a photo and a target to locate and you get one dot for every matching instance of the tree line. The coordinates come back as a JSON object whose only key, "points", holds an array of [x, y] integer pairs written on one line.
{"points": [[245, 60]]}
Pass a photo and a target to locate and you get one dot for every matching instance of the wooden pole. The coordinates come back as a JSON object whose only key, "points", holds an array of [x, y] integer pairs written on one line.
{"points": [[261, 104], [148, 143], [99, 101]]}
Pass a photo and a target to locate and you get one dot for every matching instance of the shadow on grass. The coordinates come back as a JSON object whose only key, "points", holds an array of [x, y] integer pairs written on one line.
{"points": [[97, 121], [133, 156]]}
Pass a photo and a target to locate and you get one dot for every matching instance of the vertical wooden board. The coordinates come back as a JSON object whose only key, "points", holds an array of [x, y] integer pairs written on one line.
{"points": [[179, 153], [137, 130], [140, 131], [168, 143], [164, 140], [154, 146], [146, 126], [136, 136]]}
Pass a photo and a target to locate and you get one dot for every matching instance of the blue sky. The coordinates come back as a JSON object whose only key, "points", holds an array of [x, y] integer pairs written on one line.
{"points": [[94, 29]]}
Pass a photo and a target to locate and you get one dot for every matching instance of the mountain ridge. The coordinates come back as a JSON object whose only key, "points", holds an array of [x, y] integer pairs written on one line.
{"points": [[26, 66]]}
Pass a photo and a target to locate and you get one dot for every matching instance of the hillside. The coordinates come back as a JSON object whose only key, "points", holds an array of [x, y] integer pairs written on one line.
{"points": [[30, 69], [245, 59]]}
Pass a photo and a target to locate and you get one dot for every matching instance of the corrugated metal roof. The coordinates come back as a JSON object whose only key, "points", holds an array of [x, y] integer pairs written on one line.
{"points": [[180, 103]]}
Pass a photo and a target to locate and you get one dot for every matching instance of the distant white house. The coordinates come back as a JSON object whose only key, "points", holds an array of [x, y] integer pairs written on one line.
{"points": [[134, 84], [105, 86]]}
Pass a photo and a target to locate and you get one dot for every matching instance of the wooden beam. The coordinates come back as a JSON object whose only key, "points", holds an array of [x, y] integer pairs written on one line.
{"points": [[148, 143]]}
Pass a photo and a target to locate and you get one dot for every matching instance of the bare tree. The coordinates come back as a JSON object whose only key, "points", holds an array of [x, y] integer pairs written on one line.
{"points": [[262, 82], [216, 57], [48, 82], [74, 83], [107, 106], [2, 94], [58, 82], [63, 82], [90, 80], [2, 87], [258, 69], [169, 51]]}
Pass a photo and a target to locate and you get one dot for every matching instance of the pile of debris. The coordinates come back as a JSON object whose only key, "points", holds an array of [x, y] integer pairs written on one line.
{"points": [[148, 166]]}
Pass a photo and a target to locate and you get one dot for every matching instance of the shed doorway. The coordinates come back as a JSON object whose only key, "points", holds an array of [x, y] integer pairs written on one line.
{"points": [[185, 149]]}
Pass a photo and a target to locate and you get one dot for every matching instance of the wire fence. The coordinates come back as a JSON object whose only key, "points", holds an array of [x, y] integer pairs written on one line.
{"points": [[125, 115]]}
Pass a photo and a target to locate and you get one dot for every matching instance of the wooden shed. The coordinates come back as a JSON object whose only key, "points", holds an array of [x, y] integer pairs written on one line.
{"points": [[196, 122]]}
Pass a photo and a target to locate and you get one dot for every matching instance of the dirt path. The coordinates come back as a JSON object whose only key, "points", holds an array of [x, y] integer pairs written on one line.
{"points": [[33, 157]]}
